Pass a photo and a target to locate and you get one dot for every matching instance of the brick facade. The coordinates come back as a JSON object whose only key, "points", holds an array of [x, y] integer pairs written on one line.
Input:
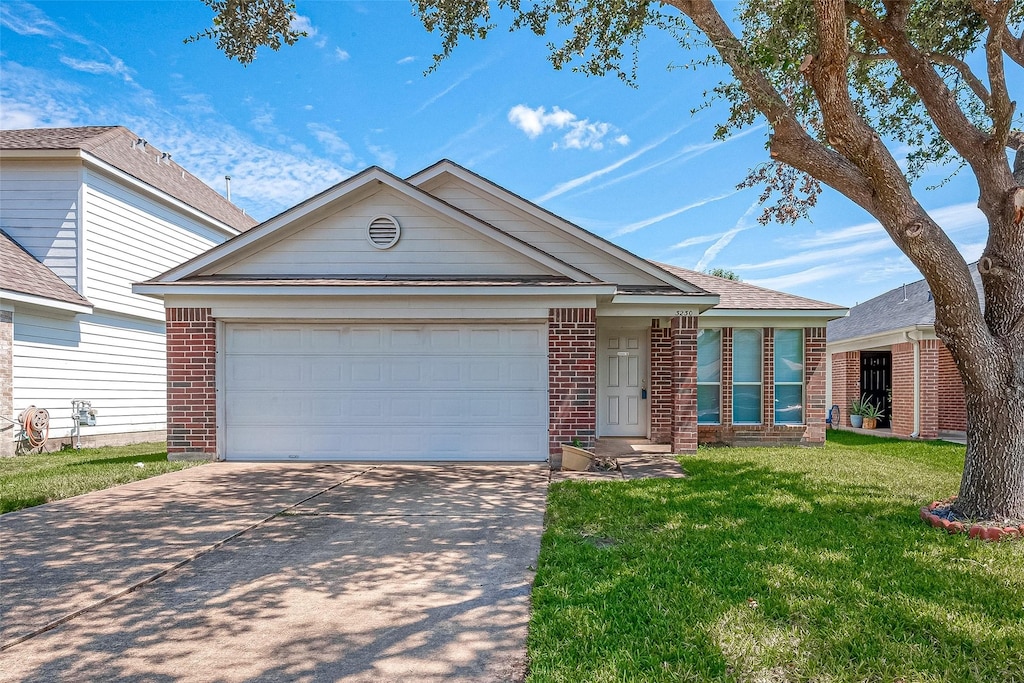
{"points": [[902, 422], [845, 383], [684, 384], [661, 383], [572, 376], [952, 404], [812, 432], [903, 388], [7, 429], [191, 381]]}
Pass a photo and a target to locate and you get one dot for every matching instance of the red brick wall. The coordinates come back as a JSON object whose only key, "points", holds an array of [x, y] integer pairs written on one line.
{"points": [[684, 384], [661, 384], [572, 376], [845, 382], [812, 432], [191, 381], [815, 407], [952, 408], [902, 389], [930, 349]]}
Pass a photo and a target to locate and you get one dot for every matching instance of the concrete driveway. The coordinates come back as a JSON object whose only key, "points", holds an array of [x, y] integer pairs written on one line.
{"points": [[283, 572]]}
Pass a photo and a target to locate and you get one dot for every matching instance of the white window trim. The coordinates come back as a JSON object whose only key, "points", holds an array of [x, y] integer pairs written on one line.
{"points": [[760, 382], [801, 383], [718, 383]]}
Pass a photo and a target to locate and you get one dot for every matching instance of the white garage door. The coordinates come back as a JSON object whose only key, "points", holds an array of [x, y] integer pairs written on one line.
{"points": [[385, 392]]}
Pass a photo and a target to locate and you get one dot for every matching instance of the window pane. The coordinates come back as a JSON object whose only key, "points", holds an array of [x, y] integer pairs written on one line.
{"points": [[746, 356], [789, 356], [708, 404], [789, 404], [709, 355], [746, 403]]}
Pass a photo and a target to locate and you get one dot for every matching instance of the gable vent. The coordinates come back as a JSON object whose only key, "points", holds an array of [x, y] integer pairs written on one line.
{"points": [[383, 231]]}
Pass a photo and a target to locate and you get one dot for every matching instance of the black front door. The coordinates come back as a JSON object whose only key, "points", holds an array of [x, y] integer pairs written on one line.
{"points": [[876, 381]]}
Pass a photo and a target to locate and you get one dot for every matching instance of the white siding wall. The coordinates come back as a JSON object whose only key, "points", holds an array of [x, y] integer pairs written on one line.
{"points": [[39, 209], [130, 238], [429, 245], [535, 232], [114, 361]]}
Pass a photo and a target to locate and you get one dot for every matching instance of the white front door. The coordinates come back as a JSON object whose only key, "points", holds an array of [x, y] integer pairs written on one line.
{"points": [[622, 383]]}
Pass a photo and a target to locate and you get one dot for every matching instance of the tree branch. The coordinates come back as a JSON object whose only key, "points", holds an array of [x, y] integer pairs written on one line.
{"points": [[1000, 106]]}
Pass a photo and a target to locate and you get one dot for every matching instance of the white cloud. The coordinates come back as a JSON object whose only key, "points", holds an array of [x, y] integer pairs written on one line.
{"points": [[301, 23], [952, 218], [406, 60], [115, 67], [695, 240], [28, 20], [836, 255], [562, 188], [384, 157], [582, 133], [341, 55], [742, 224], [633, 227], [803, 277], [332, 142]]}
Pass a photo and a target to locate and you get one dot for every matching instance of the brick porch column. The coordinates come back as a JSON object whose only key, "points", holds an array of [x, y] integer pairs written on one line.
{"points": [[572, 377], [815, 360], [930, 350], [684, 384], [661, 384], [191, 381]]}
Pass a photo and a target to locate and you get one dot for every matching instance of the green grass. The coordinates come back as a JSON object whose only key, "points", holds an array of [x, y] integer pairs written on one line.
{"points": [[37, 478], [775, 564]]}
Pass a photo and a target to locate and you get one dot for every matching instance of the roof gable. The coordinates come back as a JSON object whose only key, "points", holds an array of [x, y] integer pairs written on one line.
{"points": [[127, 152], [325, 236], [535, 224]]}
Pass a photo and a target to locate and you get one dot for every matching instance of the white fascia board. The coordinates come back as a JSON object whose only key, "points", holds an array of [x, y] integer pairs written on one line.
{"points": [[351, 185], [882, 339], [704, 301], [824, 314], [32, 300], [160, 290], [552, 219]]}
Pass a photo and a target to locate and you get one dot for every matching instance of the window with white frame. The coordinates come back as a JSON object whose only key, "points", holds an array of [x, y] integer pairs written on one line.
{"points": [[789, 376], [709, 376], [746, 376]]}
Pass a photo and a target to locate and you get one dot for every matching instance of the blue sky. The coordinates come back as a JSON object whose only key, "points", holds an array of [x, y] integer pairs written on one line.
{"points": [[632, 165]]}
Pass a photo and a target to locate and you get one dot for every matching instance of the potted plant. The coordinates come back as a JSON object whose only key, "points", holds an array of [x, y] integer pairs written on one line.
{"points": [[575, 457], [872, 413], [857, 408]]}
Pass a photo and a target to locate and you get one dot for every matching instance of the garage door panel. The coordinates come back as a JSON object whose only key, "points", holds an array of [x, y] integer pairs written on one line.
{"points": [[379, 392]]}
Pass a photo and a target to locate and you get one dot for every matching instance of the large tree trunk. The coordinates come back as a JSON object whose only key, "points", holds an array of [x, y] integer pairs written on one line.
{"points": [[992, 487]]}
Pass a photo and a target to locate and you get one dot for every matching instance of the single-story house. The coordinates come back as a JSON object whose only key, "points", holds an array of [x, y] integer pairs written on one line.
{"points": [[84, 213], [887, 350], [442, 317]]}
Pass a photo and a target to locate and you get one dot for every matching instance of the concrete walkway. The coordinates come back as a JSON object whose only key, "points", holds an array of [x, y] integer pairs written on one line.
{"points": [[277, 572]]}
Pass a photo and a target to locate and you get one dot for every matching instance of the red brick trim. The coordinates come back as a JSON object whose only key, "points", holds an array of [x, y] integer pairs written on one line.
{"points": [[815, 409], [661, 383], [191, 381], [684, 384], [845, 382], [572, 380], [952, 404]]}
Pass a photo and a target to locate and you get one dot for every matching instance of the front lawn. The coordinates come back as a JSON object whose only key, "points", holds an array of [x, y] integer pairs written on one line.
{"points": [[775, 564], [37, 478]]}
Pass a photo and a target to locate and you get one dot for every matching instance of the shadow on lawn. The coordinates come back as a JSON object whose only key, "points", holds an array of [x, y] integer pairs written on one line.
{"points": [[746, 571]]}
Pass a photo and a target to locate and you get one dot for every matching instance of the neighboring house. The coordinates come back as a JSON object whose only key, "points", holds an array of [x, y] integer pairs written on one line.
{"points": [[887, 350], [442, 317], [84, 213]]}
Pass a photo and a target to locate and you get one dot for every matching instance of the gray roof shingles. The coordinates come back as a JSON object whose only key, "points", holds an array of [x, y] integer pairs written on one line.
{"points": [[20, 272], [906, 306], [735, 295], [115, 145]]}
